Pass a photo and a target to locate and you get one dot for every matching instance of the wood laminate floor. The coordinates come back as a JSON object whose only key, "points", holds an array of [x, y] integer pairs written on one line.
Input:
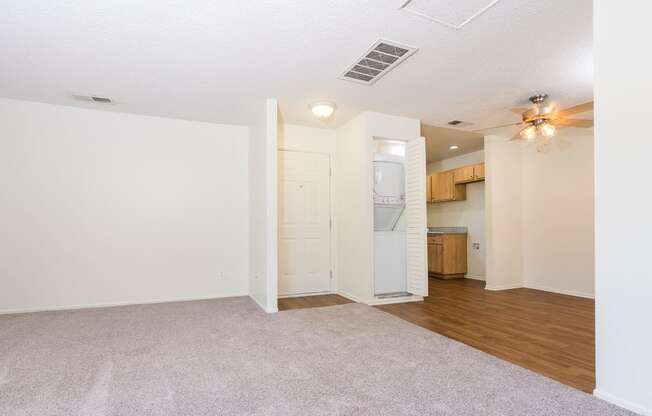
{"points": [[285, 304], [545, 332]]}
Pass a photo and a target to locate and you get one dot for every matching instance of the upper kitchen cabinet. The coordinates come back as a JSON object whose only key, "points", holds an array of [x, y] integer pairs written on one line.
{"points": [[463, 174], [450, 185], [471, 173], [443, 187], [478, 172]]}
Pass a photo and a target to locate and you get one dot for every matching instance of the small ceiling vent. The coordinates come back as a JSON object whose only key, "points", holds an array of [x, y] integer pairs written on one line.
{"points": [[380, 58], [459, 123], [93, 98]]}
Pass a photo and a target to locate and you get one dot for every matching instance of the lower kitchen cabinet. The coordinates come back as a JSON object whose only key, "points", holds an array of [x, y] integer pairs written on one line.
{"points": [[447, 256]]}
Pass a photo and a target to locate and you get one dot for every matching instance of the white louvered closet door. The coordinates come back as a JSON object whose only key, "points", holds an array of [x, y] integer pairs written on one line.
{"points": [[416, 222]]}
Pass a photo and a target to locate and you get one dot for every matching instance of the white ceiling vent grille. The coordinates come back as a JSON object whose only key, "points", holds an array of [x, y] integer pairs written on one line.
{"points": [[93, 98], [380, 58]]}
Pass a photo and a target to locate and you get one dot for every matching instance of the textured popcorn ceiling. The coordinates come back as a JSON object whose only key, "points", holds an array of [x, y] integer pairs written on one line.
{"points": [[438, 140], [213, 60]]}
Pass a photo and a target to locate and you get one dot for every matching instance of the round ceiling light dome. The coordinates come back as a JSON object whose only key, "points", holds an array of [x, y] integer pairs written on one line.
{"points": [[322, 109]]}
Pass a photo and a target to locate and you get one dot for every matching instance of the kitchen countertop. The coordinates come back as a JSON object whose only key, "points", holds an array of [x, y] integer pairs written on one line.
{"points": [[447, 230]]}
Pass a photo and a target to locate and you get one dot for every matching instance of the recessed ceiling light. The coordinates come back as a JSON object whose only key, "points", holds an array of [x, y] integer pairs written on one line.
{"points": [[453, 147], [322, 109]]}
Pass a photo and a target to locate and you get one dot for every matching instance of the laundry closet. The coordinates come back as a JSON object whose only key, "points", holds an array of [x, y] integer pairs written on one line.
{"points": [[390, 268], [380, 210]]}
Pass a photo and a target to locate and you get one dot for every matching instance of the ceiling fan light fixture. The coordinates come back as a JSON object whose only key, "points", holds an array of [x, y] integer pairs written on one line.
{"points": [[529, 133], [547, 129]]}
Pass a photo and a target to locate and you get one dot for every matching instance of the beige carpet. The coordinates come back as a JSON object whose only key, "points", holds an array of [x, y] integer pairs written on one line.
{"points": [[226, 357]]}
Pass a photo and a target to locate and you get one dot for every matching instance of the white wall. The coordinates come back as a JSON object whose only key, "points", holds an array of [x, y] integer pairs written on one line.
{"points": [[558, 215], [540, 214], [384, 126], [307, 139], [101, 208], [503, 213], [456, 161], [354, 210], [623, 203], [263, 253], [469, 213]]}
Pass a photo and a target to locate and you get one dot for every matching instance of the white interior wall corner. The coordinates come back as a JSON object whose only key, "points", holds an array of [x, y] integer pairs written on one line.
{"points": [[503, 206], [623, 204], [353, 221], [263, 244], [271, 145], [107, 201]]}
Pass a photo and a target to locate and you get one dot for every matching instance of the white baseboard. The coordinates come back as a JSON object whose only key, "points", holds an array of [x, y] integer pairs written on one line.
{"points": [[301, 295], [115, 304], [560, 291], [625, 404], [351, 297], [272, 309], [504, 287]]}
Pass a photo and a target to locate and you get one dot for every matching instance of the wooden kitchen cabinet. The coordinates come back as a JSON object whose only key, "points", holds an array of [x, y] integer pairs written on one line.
{"points": [[435, 254], [443, 188], [467, 174], [478, 172], [464, 174], [435, 258], [451, 185], [447, 256]]}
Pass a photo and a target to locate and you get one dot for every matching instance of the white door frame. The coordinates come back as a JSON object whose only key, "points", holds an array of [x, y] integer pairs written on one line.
{"points": [[331, 208]]}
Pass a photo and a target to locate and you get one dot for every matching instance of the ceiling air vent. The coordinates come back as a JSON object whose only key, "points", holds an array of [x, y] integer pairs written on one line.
{"points": [[92, 98], [101, 99], [382, 57], [459, 123]]}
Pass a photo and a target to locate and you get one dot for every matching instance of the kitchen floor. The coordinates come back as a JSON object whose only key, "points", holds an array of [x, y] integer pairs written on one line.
{"points": [[545, 332]]}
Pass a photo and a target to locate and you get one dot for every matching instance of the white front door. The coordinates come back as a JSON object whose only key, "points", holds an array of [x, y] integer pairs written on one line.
{"points": [[304, 264]]}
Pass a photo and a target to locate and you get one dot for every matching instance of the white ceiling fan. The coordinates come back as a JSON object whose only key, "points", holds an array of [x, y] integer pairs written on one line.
{"points": [[543, 119]]}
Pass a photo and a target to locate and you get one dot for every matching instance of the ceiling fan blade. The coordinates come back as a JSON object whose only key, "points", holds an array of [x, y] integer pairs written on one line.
{"points": [[582, 108], [573, 122], [496, 127], [519, 111], [517, 136]]}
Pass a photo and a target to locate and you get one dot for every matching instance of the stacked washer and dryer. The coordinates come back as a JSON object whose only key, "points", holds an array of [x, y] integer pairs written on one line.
{"points": [[390, 268]]}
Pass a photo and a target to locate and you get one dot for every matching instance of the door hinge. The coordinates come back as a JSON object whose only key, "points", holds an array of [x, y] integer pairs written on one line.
{"points": [[330, 171], [331, 275], [330, 223]]}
